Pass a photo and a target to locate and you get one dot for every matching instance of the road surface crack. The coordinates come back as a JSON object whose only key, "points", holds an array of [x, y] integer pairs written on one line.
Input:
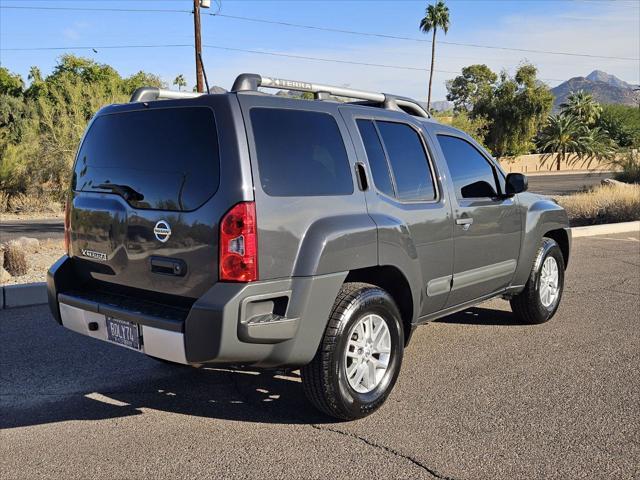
{"points": [[390, 450]]}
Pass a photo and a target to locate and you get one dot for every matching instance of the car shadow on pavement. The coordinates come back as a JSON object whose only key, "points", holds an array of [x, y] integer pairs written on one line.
{"points": [[221, 393], [482, 316]]}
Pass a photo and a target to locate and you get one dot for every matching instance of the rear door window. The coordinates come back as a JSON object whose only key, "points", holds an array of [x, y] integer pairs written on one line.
{"points": [[409, 164], [300, 153], [161, 158]]}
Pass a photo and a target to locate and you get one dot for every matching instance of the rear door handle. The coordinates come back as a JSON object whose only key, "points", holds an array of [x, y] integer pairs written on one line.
{"points": [[465, 222]]}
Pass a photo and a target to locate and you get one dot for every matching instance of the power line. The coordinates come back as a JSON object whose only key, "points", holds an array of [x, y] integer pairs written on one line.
{"points": [[257, 52], [327, 29], [96, 47], [413, 39], [97, 9]]}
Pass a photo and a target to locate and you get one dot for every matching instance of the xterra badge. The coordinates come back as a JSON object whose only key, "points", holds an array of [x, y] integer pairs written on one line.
{"points": [[95, 255]]}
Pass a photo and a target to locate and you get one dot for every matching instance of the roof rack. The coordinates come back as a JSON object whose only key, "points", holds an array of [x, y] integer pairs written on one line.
{"points": [[251, 81], [149, 94]]}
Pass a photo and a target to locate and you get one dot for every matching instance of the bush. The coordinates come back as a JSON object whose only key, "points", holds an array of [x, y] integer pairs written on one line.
{"points": [[629, 168], [15, 260], [603, 204]]}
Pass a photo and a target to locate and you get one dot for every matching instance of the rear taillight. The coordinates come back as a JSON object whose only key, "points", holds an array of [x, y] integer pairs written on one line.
{"points": [[239, 244], [67, 231]]}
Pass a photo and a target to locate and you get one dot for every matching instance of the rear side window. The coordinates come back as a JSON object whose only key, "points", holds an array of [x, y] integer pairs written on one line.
{"points": [[375, 154], [164, 158], [409, 166], [472, 175], [300, 153]]}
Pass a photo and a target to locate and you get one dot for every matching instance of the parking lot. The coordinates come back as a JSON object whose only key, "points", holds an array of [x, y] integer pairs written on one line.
{"points": [[478, 397]]}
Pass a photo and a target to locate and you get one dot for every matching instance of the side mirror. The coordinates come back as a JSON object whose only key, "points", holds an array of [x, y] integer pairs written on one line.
{"points": [[516, 183]]}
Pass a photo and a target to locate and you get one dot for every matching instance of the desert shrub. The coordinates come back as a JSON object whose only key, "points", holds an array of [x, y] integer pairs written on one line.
{"points": [[603, 204], [15, 260], [629, 166]]}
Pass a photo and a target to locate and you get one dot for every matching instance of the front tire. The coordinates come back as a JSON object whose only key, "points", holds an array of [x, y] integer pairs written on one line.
{"points": [[358, 361], [540, 299]]}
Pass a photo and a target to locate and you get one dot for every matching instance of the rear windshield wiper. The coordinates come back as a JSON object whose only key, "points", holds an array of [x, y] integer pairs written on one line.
{"points": [[125, 191]]}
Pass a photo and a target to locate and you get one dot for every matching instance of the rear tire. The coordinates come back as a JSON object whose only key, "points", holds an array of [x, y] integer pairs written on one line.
{"points": [[539, 300], [359, 358]]}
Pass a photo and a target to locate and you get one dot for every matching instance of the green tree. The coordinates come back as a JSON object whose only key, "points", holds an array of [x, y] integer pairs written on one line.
{"points": [[516, 107], [475, 83], [583, 107], [436, 16], [623, 124], [10, 84], [40, 131], [180, 82]]}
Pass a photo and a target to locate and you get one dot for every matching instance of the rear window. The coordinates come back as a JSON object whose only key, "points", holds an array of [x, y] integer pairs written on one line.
{"points": [[300, 153], [164, 159]]}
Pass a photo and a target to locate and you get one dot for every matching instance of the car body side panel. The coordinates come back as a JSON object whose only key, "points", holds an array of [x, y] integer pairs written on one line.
{"points": [[398, 249], [540, 215]]}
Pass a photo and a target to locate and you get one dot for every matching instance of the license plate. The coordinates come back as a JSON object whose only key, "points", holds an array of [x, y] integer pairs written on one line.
{"points": [[123, 333]]}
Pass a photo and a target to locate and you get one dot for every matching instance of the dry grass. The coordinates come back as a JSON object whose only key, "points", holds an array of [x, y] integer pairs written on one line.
{"points": [[603, 204], [4, 201], [31, 203]]}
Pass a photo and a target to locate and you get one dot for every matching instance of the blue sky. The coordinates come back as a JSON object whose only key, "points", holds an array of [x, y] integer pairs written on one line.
{"points": [[596, 27]]}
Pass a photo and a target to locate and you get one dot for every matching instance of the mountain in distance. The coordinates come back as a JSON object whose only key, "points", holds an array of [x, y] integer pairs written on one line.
{"points": [[604, 87]]}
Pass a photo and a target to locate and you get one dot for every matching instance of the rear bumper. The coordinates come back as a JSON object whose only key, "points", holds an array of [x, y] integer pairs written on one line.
{"points": [[270, 324]]}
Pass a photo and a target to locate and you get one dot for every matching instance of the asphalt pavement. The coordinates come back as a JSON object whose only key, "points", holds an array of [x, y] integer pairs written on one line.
{"points": [[37, 228], [566, 183], [479, 397]]}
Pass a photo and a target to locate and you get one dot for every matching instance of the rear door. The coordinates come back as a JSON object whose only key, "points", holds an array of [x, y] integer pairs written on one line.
{"points": [[150, 183], [406, 197]]}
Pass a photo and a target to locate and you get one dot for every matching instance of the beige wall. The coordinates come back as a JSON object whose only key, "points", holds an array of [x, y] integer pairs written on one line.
{"points": [[532, 164]]}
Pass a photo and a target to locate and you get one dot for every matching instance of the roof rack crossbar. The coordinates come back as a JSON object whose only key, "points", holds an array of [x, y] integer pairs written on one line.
{"points": [[251, 82]]}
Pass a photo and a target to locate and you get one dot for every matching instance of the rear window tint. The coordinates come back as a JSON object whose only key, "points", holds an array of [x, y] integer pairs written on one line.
{"points": [[163, 159], [408, 162], [300, 153], [376, 157]]}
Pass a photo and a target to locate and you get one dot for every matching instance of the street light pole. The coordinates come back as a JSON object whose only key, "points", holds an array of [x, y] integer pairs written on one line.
{"points": [[198, 44]]}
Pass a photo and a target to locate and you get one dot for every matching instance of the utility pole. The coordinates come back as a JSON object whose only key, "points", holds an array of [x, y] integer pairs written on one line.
{"points": [[198, 43]]}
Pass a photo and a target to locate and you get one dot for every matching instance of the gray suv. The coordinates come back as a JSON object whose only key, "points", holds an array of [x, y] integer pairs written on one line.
{"points": [[253, 229]]}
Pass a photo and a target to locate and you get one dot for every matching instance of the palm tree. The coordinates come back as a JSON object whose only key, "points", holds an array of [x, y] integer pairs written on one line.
{"points": [[582, 106], [571, 141], [436, 16], [562, 136], [180, 82]]}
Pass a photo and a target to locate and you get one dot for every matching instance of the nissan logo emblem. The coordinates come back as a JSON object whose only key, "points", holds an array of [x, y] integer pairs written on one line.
{"points": [[162, 231]]}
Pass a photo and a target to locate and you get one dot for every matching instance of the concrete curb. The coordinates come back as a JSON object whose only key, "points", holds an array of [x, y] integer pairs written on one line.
{"points": [[24, 295], [606, 229]]}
